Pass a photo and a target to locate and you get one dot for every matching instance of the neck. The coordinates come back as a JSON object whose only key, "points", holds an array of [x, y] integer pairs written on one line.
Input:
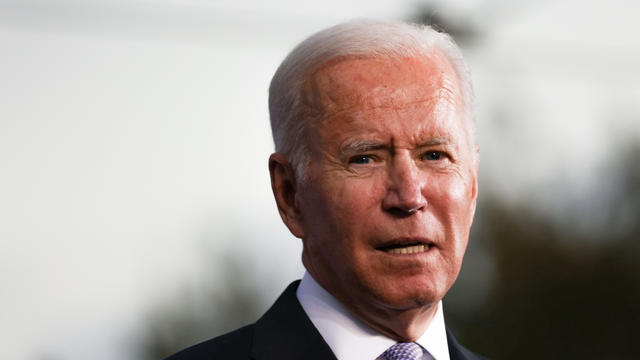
{"points": [[400, 325]]}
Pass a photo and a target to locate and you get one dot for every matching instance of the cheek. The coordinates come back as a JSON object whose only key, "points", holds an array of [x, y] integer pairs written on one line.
{"points": [[353, 211], [355, 198], [340, 208], [459, 194], [452, 200]]}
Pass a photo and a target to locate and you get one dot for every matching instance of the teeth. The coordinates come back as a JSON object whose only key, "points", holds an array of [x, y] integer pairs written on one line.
{"points": [[408, 250]]}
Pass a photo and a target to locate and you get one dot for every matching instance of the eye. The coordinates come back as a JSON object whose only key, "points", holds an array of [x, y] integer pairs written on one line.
{"points": [[433, 155], [361, 159]]}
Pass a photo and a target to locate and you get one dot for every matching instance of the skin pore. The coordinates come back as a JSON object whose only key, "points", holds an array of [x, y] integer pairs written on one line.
{"points": [[386, 208]]}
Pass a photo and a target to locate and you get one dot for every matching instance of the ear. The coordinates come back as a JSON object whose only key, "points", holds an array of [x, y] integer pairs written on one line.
{"points": [[283, 184], [476, 166], [474, 185]]}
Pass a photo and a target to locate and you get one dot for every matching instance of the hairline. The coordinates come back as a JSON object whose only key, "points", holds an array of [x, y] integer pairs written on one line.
{"points": [[296, 75]]}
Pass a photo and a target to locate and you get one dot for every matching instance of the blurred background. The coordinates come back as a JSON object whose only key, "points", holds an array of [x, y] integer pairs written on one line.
{"points": [[136, 215]]}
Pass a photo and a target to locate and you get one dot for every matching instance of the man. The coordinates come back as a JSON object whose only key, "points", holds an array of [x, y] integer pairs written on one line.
{"points": [[376, 171]]}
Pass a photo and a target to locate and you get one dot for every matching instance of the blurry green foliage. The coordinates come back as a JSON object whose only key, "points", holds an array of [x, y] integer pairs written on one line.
{"points": [[557, 293], [203, 311]]}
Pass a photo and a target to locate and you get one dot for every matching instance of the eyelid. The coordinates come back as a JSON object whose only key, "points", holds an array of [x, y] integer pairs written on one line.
{"points": [[353, 157], [442, 153]]}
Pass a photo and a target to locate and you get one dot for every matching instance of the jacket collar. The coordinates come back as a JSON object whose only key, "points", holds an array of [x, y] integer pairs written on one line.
{"points": [[459, 352], [285, 332]]}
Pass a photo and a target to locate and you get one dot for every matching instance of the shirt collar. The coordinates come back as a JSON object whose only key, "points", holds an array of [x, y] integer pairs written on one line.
{"points": [[434, 338], [351, 339]]}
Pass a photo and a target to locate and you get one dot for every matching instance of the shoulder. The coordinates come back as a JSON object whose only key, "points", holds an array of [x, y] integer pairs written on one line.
{"points": [[471, 355], [283, 332], [233, 345]]}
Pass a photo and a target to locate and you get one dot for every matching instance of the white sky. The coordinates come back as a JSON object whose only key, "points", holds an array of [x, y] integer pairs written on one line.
{"points": [[133, 135]]}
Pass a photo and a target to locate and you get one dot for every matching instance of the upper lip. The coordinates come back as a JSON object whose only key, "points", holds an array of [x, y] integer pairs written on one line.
{"points": [[404, 241]]}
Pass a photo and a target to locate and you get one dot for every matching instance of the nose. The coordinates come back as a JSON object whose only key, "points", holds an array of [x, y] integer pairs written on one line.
{"points": [[404, 194]]}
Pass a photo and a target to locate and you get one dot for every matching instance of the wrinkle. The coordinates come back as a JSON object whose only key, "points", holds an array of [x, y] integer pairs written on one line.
{"points": [[359, 108]]}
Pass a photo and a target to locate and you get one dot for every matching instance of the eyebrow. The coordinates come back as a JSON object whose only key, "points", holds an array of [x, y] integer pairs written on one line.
{"points": [[362, 146], [436, 140]]}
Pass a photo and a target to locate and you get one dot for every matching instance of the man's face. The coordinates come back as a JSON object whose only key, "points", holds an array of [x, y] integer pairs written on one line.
{"points": [[391, 188]]}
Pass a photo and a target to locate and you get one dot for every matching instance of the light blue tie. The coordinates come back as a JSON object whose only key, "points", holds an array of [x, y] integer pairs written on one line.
{"points": [[403, 351]]}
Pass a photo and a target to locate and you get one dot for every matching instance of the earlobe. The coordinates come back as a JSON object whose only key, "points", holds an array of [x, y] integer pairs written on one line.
{"points": [[284, 186]]}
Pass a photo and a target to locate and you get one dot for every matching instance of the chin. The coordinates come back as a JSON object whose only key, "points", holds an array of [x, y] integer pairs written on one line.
{"points": [[410, 295]]}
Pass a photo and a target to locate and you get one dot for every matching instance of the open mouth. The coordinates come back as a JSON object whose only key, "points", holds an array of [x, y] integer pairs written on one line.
{"points": [[413, 247]]}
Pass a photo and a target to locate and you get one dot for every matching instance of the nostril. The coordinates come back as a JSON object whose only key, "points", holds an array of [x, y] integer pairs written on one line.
{"points": [[403, 205], [401, 213]]}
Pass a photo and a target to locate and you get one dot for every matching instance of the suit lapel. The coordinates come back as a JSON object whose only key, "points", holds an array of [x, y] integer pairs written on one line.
{"points": [[459, 352], [285, 332]]}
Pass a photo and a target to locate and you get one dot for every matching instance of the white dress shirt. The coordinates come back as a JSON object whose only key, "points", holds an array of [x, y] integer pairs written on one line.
{"points": [[351, 339]]}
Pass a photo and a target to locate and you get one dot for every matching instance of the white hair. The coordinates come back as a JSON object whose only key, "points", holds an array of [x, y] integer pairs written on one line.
{"points": [[290, 116]]}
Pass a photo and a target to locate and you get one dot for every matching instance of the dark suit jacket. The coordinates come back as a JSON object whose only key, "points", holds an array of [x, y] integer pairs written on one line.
{"points": [[284, 332]]}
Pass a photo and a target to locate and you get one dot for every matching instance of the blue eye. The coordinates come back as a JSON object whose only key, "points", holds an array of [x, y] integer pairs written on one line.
{"points": [[433, 155], [360, 159]]}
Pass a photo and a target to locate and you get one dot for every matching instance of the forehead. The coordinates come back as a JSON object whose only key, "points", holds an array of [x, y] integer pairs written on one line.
{"points": [[371, 83], [403, 101]]}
